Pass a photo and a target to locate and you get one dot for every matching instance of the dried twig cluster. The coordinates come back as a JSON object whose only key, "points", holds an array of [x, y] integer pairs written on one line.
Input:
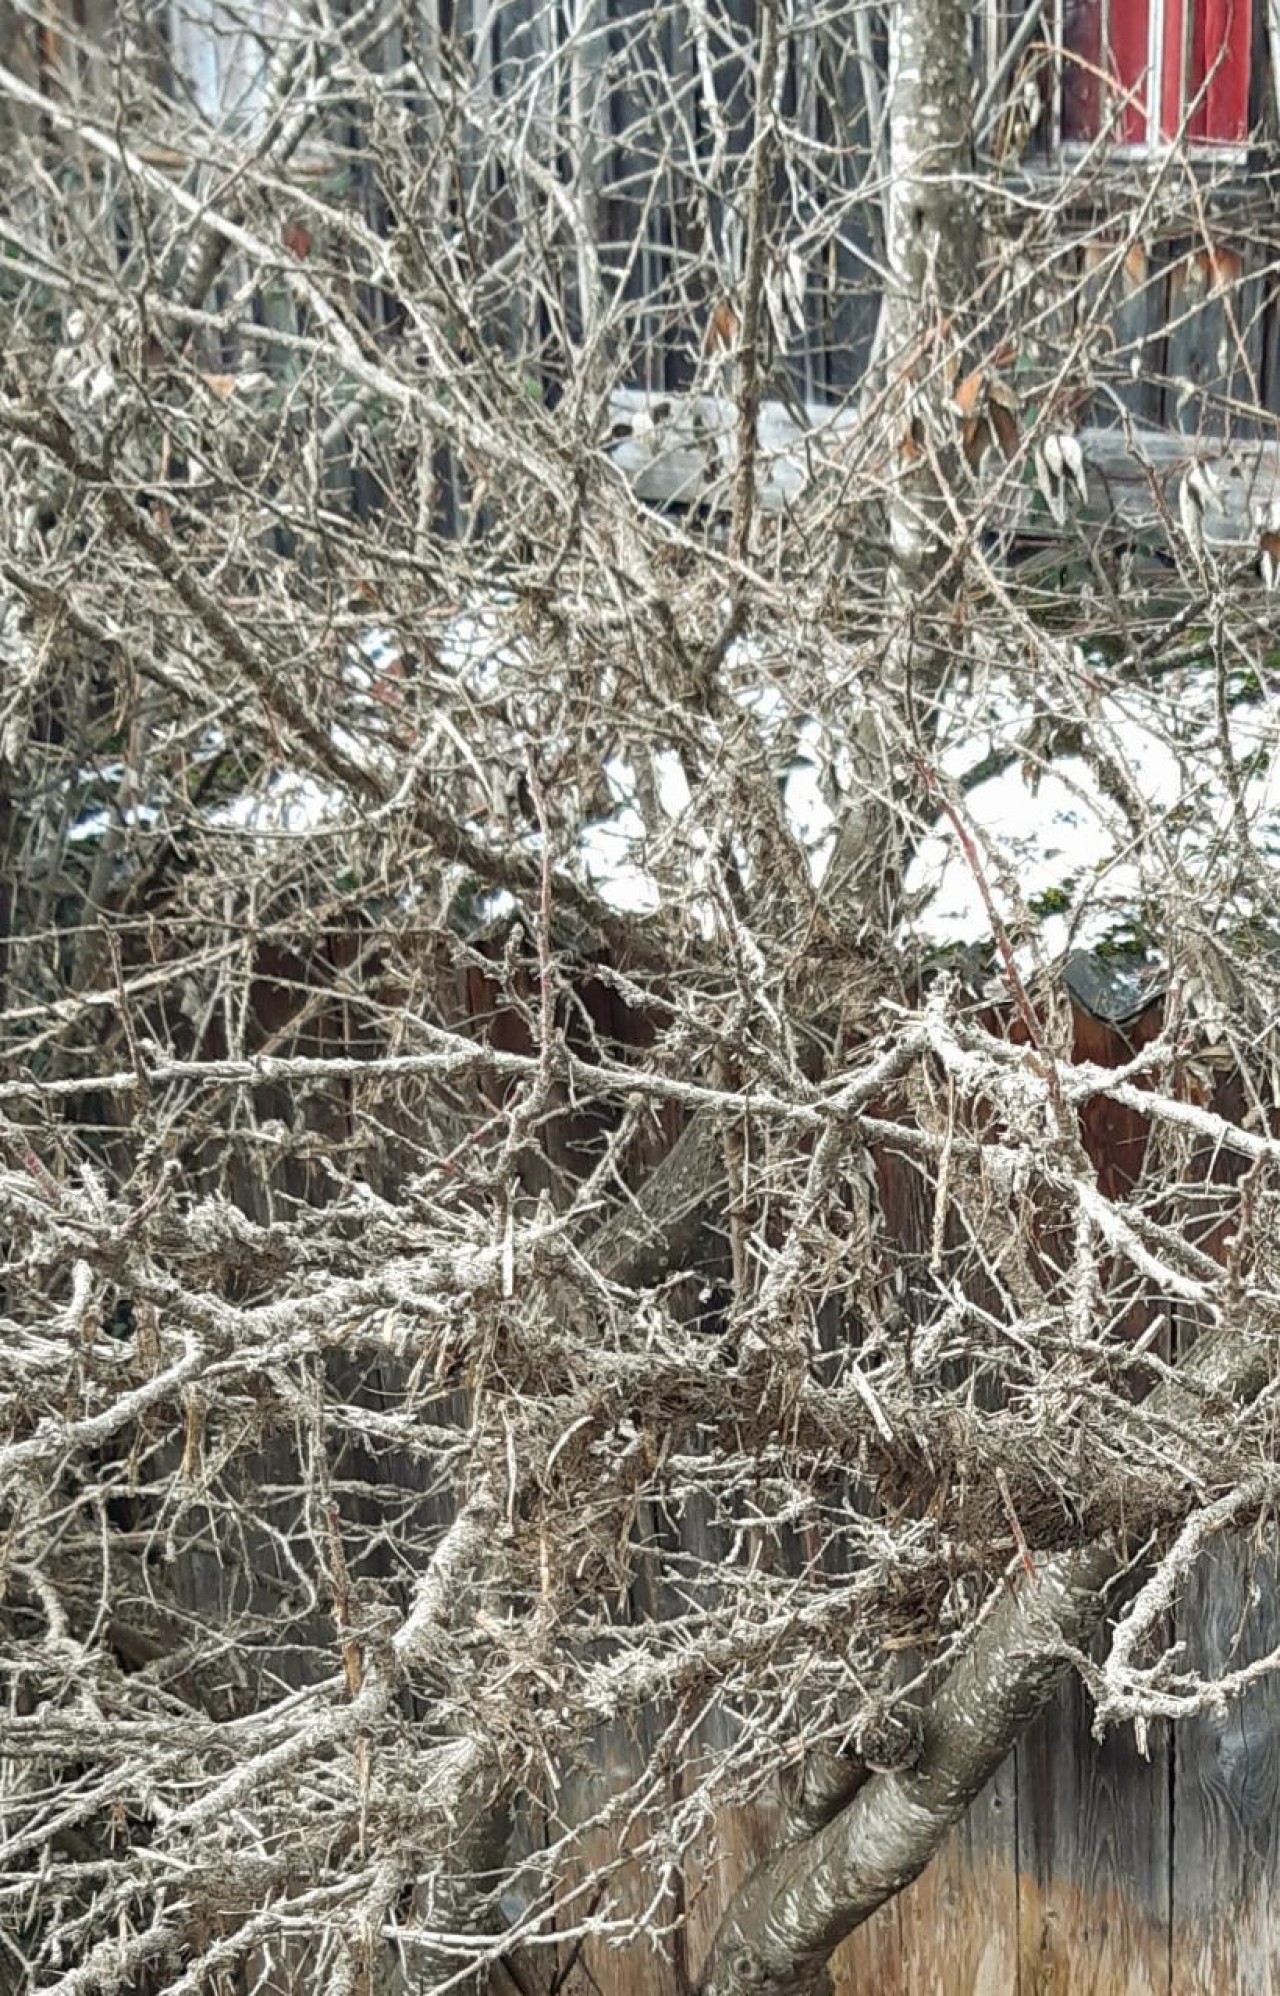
{"points": [[541, 1298]]}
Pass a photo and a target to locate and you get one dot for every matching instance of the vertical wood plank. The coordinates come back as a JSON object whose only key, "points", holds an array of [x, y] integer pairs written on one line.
{"points": [[1269, 346], [960, 1921], [1124, 291], [1081, 69], [872, 1959], [847, 300], [801, 358], [1226, 1828], [741, 1839], [1214, 341], [1093, 1833], [611, 1765], [675, 239], [1129, 63], [1219, 71]]}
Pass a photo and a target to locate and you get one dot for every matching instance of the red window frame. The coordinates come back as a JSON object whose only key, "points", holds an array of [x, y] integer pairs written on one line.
{"points": [[1150, 72]]}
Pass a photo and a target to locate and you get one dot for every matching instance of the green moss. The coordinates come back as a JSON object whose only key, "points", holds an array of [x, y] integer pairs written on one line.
{"points": [[1051, 901]]}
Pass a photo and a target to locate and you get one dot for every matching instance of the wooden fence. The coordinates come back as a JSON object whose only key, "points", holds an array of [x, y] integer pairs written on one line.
{"points": [[1086, 1868]]}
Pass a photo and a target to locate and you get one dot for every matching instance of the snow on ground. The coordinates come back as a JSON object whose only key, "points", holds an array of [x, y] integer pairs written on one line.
{"points": [[289, 805], [1039, 847], [806, 801], [1057, 851], [1057, 843], [123, 814], [477, 643], [611, 849]]}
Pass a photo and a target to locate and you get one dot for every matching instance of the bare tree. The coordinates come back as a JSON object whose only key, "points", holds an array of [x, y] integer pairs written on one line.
{"points": [[587, 703]]}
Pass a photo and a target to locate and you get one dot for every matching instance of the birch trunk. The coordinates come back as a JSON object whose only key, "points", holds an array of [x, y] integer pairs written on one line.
{"points": [[931, 258]]}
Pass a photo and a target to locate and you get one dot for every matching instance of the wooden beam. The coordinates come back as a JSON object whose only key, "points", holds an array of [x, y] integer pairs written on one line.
{"points": [[1136, 477], [682, 450]]}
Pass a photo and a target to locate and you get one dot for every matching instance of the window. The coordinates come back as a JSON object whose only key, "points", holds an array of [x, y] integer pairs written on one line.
{"points": [[1146, 72]]}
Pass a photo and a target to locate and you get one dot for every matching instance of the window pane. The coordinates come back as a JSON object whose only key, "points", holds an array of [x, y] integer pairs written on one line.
{"points": [[1105, 79], [1220, 40], [1128, 33], [1082, 59]]}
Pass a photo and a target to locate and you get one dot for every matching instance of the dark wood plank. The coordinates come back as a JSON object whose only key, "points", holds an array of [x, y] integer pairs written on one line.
{"points": [[1093, 1834], [1226, 1845], [1124, 291], [1214, 342]]}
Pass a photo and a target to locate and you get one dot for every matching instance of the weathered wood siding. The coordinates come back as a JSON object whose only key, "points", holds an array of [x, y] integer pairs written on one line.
{"points": [[1084, 1869]]}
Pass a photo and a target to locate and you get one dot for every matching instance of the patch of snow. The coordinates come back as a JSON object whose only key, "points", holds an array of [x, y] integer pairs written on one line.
{"points": [[610, 848], [121, 817], [1053, 838], [498, 906], [806, 800], [375, 758], [1057, 836], [380, 647], [671, 784], [478, 644], [291, 805]]}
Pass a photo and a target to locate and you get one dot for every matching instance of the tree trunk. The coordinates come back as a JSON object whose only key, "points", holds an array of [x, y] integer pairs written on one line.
{"points": [[784, 1925], [931, 255], [793, 1912]]}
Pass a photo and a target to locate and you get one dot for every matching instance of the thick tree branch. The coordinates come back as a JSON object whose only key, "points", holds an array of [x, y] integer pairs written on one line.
{"points": [[798, 1907]]}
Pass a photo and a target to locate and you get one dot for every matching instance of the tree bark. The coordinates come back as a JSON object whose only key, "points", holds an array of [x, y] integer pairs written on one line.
{"points": [[931, 256]]}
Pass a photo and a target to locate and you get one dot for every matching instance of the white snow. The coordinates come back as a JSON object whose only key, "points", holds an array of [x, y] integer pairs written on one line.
{"points": [[290, 805], [671, 784], [1057, 852], [806, 800], [1063, 831], [478, 644], [611, 848], [127, 817]]}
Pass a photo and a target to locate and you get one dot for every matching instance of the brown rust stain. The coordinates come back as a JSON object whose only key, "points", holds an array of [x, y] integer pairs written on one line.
{"points": [[1072, 1941], [952, 1933], [1077, 1940], [955, 1933], [1233, 1951]]}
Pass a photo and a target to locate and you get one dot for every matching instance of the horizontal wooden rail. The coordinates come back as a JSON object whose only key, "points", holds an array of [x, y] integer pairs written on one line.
{"points": [[682, 450]]}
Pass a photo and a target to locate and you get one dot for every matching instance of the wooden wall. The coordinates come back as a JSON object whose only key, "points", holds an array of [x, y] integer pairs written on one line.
{"points": [[1086, 1870], [1187, 325], [1177, 296]]}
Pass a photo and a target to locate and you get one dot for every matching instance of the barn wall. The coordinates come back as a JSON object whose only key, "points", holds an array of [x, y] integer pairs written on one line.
{"points": [[1179, 317]]}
